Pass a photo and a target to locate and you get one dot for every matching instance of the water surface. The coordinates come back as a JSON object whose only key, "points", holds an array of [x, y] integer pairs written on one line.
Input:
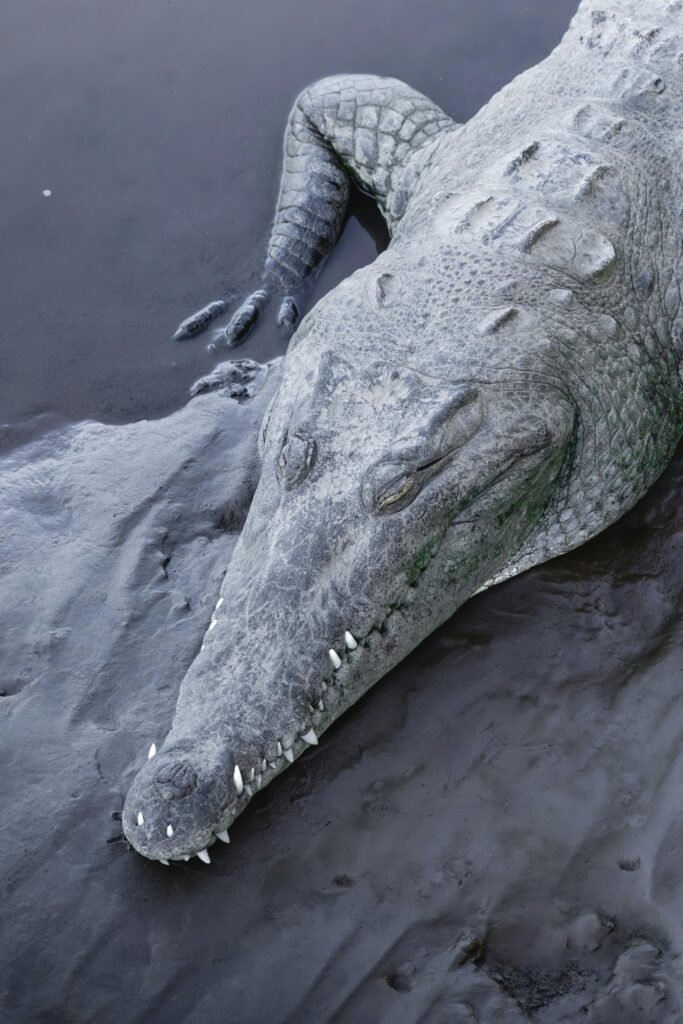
{"points": [[157, 127]]}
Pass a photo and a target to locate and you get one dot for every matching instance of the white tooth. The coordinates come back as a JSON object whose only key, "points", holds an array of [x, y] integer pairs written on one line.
{"points": [[219, 602], [185, 858], [258, 781], [271, 764], [289, 754], [169, 831], [321, 706], [152, 752], [237, 776], [252, 773], [350, 641], [223, 836], [310, 738], [213, 623], [279, 749], [311, 708], [264, 764], [334, 657], [324, 686], [249, 790], [162, 861], [141, 820], [204, 855]]}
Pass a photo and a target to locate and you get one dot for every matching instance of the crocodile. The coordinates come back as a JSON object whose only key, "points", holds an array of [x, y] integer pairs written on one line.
{"points": [[497, 387]]}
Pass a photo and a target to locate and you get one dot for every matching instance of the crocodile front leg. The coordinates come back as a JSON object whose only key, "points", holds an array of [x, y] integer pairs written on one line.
{"points": [[359, 128]]}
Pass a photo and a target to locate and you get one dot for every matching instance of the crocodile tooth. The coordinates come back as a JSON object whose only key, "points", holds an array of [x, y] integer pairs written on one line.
{"points": [[237, 776], [185, 857], [162, 861], [152, 752], [251, 774], [324, 686], [141, 820], [310, 738], [219, 602], [213, 623], [169, 831], [223, 836], [204, 855], [279, 749], [249, 790], [321, 706], [350, 640], [264, 764], [334, 658], [289, 754]]}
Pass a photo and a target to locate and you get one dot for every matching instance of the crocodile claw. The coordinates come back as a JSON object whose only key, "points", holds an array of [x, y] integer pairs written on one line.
{"points": [[199, 321], [242, 320], [288, 314]]}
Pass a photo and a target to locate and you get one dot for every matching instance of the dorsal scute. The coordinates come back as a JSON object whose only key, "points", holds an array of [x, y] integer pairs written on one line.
{"points": [[492, 323], [600, 194], [602, 30], [588, 185], [638, 87], [568, 172], [526, 154], [569, 246], [563, 243], [599, 123], [534, 235], [512, 222], [630, 33]]}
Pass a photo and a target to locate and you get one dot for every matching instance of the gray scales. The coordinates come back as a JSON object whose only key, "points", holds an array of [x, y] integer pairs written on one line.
{"points": [[500, 385]]}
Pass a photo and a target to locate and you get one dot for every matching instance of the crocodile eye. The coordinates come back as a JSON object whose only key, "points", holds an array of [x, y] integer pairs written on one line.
{"points": [[389, 487], [296, 460]]}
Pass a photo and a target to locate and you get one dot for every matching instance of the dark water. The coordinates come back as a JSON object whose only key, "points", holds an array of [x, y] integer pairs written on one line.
{"points": [[157, 126], [492, 835]]}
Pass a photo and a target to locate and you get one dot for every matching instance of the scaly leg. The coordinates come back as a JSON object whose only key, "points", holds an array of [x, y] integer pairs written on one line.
{"points": [[358, 128]]}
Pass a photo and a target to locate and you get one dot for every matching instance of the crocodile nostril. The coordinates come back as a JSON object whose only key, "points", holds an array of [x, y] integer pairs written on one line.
{"points": [[296, 460], [176, 780]]}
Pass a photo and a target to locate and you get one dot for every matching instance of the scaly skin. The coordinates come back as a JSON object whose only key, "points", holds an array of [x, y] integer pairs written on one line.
{"points": [[499, 386]]}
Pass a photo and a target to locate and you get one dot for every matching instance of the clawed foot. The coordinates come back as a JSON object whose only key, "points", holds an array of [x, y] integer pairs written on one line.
{"points": [[199, 321], [241, 379], [242, 320]]}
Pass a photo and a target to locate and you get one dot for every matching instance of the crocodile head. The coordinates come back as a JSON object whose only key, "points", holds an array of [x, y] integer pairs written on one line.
{"points": [[387, 498]]}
